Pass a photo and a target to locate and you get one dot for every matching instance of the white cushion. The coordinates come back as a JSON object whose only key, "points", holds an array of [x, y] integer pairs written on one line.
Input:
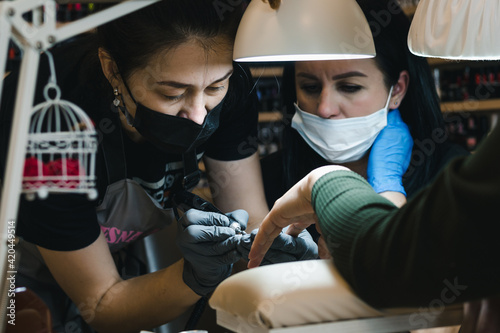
{"points": [[308, 293], [290, 294]]}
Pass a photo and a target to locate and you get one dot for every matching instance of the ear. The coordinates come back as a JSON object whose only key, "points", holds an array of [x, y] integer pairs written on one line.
{"points": [[109, 68], [399, 90]]}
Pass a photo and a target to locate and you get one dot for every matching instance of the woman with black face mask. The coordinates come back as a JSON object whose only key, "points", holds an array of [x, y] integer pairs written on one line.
{"points": [[163, 93]]}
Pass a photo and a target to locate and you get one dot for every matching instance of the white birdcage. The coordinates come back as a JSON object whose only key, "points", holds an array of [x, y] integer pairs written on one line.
{"points": [[62, 146]]}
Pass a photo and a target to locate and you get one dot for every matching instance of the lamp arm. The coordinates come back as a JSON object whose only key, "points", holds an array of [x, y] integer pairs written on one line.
{"points": [[5, 36], [12, 181], [32, 39]]}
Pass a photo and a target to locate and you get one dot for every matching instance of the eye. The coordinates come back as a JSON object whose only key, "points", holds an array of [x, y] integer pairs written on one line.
{"points": [[349, 88], [215, 89], [173, 98], [310, 88]]}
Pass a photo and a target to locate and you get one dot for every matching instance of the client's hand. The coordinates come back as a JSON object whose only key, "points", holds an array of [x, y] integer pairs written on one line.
{"points": [[390, 156], [293, 208]]}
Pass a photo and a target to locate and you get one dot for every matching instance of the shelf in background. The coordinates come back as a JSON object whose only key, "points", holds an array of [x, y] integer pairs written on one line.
{"points": [[436, 62], [409, 10], [471, 106], [258, 72], [270, 116]]}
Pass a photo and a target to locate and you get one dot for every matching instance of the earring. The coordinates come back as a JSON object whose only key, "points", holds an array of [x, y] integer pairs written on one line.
{"points": [[116, 101], [396, 103]]}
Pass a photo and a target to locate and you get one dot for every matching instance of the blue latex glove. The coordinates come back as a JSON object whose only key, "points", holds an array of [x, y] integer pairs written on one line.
{"points": [[285, 248], [208, 245], [390, 155]]}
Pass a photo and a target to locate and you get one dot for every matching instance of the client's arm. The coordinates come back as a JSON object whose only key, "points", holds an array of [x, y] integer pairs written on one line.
{"points": [[441, 246]]}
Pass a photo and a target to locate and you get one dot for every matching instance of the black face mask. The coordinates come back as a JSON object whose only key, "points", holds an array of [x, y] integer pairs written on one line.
{"points": [[173, 134]]}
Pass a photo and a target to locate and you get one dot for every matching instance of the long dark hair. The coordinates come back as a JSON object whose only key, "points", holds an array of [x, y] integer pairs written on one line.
{"points": [[420, 108]]}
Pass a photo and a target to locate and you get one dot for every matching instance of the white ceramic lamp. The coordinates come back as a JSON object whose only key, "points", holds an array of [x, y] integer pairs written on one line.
{"points": [[456, 29], [303, 30]]}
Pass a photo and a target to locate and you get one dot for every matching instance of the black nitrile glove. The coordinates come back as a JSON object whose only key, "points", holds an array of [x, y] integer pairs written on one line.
{"points": [[208, 245], [285, 248]]}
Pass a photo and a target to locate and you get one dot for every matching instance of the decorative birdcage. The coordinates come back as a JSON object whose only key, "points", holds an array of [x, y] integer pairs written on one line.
{"points": [[62, 146]]}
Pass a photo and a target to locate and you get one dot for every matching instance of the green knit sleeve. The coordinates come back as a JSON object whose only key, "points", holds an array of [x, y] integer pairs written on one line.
{"points": [[344, 201], [441, 245]]}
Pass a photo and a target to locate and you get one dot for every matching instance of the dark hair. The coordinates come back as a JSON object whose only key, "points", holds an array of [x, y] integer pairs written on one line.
{"points": [[420, 108], [133, 39]]}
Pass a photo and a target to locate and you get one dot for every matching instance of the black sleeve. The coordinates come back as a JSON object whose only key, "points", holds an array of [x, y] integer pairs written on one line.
{"points": [[62, 222], [236, 137]]}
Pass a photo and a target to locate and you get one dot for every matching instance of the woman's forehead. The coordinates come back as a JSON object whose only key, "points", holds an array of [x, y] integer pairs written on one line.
{"points": [[189, 59], [330, 68], [194, 51]]}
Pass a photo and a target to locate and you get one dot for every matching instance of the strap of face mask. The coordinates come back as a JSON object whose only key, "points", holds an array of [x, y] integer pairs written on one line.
{"points": [[124, 110], [129, 92]]}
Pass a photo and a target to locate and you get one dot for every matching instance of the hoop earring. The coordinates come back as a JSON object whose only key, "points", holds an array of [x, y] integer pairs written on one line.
{"points": [[116, 101]]}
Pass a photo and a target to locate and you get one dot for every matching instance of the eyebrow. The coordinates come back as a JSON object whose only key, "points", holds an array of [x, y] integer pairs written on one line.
{"points": [[176, 84], [336, 77]]}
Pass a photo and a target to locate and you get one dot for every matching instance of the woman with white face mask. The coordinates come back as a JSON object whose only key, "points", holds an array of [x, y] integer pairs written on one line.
{"points": [[363, 114], [344, 110]]}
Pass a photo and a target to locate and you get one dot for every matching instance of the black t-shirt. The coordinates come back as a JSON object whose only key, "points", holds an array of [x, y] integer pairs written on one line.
{"points": [[69, 221]]}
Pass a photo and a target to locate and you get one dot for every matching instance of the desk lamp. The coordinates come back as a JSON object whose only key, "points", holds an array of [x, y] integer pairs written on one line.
{"points": [[298, 30], [456, 29]]}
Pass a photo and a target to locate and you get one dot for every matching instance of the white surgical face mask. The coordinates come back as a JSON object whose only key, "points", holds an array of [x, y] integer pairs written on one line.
{"points": [[340, 140]]}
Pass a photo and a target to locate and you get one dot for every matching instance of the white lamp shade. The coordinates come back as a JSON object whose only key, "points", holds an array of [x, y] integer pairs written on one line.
{"points": [[303, 30], [456, 29]]}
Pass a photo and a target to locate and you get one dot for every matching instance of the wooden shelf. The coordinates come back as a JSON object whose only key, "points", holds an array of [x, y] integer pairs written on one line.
{"points": [[409, 10], [471, 106], [437, 62], [434, 62], [259, 72], [270, 116]]}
